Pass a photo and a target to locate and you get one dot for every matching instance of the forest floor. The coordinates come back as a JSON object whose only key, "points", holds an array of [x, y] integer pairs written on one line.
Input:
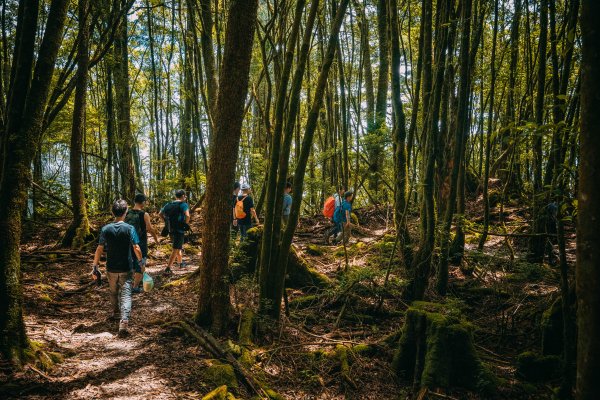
{"points": [[503, 299]]}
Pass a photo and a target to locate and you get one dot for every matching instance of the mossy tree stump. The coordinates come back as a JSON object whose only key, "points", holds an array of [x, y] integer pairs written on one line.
{"points": [[436, 350]]}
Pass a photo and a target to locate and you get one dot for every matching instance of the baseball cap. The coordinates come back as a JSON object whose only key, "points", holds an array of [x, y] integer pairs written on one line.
{"points": [[245, 186]]}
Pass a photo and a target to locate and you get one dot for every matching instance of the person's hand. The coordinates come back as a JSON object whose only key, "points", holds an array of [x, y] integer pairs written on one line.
{"points": [[94, 269], [235, 222]]}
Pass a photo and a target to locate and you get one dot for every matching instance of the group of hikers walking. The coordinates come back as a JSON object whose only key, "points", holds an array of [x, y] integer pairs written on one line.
{"points": [[125, 240]]}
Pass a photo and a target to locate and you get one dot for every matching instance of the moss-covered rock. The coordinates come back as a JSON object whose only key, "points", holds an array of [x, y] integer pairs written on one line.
{"points": [[220, 393], [217, 373], [436, 349], [533, 367]]}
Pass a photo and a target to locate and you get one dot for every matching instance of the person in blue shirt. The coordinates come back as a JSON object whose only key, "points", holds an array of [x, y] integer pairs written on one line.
{"points": [[177, 215], [341, 218], [287, 204], [118, 239]]}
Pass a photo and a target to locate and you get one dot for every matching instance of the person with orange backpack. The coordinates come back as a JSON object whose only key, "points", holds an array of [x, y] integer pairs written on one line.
{"points": [[244, 211], [331, 205]]}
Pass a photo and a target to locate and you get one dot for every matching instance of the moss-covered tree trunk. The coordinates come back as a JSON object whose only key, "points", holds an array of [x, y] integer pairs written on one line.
{"points": [[80, 226], [213, 303], [275, 294], [436, 350], [588, 251], [23, 130], [460, 138]]}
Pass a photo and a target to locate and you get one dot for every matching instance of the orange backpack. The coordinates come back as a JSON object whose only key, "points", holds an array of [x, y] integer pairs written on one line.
{"points": [[239, 208], [329, 207]]}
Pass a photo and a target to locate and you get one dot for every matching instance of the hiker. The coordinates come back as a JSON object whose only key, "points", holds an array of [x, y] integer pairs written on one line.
{"points": [[329, 208], [118, 239], [140, 220], [341, 219], [287, 204], [234, 226], [177, 216], [244, 211]]}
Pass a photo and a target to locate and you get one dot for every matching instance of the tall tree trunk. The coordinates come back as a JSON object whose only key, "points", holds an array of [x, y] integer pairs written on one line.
{"points": [[399, 137], [423, 259], [213, 303], [462, 131], [80, 226], [125, 138], [536, 243], [23, 134], [588, 251], [490, 125], [299, 173], [208, 57]]}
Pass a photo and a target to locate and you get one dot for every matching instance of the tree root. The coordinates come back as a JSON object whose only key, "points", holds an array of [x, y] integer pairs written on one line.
{"points": [[210, 344]]}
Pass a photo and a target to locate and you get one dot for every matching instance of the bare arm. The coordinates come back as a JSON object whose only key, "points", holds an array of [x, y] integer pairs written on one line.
{"points": [[234, 218], [187, 216], [137, 251], [150, 227], [253, 212], [347, 218], [98, 254]]}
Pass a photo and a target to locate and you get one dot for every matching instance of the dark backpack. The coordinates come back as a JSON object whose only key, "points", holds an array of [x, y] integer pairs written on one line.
{"points": [[135, 218], [174, 216]]}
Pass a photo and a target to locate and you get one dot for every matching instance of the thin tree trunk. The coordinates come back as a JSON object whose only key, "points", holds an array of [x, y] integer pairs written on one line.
{"points": [[80, 227], [462, 131]]}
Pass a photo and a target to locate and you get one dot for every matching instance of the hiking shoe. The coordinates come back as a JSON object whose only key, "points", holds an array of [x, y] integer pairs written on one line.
{"points": [[136, 290], [168, 271], [182, 265], [123, 325]]}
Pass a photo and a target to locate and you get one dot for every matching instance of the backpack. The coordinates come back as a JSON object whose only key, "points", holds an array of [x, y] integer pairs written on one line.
{"points": [[135, 218], [173, 212], [329, 207], [239, 208]]}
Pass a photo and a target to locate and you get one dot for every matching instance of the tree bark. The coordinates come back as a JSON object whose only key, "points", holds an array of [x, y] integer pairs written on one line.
{"points": [[588, 251], [213, 303], [462, 131], [23, 135], [80, 227]]}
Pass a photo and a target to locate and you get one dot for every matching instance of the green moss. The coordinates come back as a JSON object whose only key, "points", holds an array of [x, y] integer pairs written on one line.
{"points": [[533, 367], [220, 393], [314, 250], [438, 339], [217, 373], [304, 301]]}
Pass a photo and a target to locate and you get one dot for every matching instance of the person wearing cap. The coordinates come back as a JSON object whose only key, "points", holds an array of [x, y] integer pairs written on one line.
{"points": [[234, 227], [341, 218], [244, 211]]}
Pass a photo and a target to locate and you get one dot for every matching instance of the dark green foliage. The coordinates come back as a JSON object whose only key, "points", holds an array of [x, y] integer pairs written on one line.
{"points": [[536, 368], [437, 346]]}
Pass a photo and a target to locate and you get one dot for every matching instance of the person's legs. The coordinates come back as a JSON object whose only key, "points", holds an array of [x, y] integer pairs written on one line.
{"points": [[244, 231], [113, 281], [125, 285]]}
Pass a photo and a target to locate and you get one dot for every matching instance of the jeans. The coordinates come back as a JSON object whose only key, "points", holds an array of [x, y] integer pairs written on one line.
{"points": [[120, 283], [244, 230]]}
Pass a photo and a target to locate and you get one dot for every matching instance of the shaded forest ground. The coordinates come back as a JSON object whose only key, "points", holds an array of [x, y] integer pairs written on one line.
{"points": [[504, 300]]}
